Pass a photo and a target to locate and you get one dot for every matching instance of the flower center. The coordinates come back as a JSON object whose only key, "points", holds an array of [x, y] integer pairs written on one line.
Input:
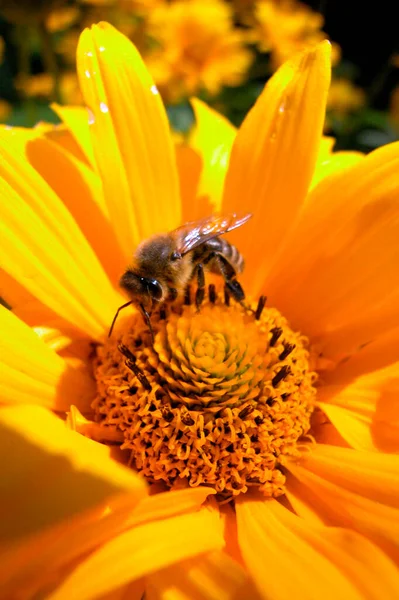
{"points": [[219, 399]]}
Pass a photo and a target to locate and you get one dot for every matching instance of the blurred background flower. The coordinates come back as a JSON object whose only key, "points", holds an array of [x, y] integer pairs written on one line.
{"points": [[218, 50]]}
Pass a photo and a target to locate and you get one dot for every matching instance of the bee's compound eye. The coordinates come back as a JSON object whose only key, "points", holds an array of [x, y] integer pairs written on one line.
{"points": [[154, 288]]}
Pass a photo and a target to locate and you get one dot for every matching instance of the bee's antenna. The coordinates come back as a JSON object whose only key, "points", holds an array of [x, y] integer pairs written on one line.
{"points": [[148, 321], [116, 316]]}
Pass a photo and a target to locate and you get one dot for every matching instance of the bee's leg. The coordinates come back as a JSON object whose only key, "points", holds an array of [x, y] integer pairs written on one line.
{"points": [[187, 295], [229, 275], [200, 292], [147, 320], [116, 316]]}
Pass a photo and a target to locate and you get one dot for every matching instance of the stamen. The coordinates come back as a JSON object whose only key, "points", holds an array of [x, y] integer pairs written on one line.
{"points": [[282, 374], [288, 348], [226, 297], [276, 334], [162, 313], [260, 307]]}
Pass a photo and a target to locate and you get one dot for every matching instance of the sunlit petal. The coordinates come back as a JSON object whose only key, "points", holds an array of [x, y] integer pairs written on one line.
{"points": [[273, 158], [141, 551], [32, 373], [130, 132]]}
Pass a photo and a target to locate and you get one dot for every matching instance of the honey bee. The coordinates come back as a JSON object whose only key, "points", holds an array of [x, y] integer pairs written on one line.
{"points": [[165, 264]]}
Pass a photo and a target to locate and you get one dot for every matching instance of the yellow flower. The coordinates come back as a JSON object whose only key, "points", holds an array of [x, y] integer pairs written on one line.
{"points": [[344, 97], [285, 27], [198, 48], [5, 110], [321, 518]]}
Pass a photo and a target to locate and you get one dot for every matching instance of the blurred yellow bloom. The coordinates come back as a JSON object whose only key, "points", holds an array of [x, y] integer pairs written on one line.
{"points": [[5, 110], [198, 48], [41, 86], [344, 97], [285, 27], [301, 494], [62, 18]]}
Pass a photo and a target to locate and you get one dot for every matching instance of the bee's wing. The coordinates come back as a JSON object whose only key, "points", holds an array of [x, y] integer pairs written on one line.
{"points": [[195, 233]]}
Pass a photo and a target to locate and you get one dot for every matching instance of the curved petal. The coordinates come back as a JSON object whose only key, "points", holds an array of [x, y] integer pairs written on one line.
{"points": [[45, 251], [52, 473], [131, 139], [32, 373], [81, 192], [141, 551], [189, 168], [336, 161], [366, 411], [352, 219], [271, 535], [213, 576], [353, 489], [64, 547], [212, 137], [274, 156], [76, 118]]}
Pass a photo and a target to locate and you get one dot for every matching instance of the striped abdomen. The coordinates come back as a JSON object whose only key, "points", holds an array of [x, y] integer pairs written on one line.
{"points": [[223, 247]]}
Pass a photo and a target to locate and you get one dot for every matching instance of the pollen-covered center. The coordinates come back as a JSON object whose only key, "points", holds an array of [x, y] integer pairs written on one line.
{"points": [[219, 398]]}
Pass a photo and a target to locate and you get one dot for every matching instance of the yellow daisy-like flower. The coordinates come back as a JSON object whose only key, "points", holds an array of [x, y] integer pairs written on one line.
{"points": [[281, 484], [344, 97], [284, 27], [198, 48]]}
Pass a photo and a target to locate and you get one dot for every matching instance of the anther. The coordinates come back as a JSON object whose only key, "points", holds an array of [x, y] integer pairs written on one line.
{"points": [[276, 333], [139, 374], [288, 348], [260, 307], [246, 412], [187, 296], [126, 352], [212, 293], [162, 313], [226, 297], [282, 374], [187, 420]]}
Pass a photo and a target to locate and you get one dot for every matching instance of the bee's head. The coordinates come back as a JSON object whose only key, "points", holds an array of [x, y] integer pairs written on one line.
{"points": [[140, 289]]}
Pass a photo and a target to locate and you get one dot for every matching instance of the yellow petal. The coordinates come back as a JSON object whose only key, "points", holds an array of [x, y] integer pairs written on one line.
{"points": [[32, 373], [189, 167], [50, 473], [64, 546], [334, 162], [131, 139], [380, 353], [141, 551], [352, 219], [212, 138], [81, 192], [296, 567], [375, 476], [366, 410], [330, 494], [44, 250], [273, 158], [76, 118], [160, 506], [213, 576]]}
